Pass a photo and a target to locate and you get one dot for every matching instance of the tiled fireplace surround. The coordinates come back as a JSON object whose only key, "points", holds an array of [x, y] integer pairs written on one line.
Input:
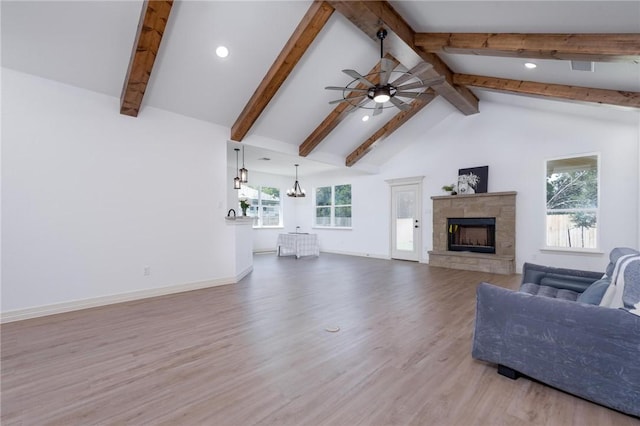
{"points": [[501, 205]]}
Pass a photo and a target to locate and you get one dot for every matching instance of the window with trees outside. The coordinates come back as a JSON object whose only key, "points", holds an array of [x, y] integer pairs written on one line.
{"points": [[333, 206], [572, 202], [264, 205]]}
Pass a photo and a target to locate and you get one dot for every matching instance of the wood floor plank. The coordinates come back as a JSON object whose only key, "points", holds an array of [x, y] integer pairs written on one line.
{"points": [[257, 352]]}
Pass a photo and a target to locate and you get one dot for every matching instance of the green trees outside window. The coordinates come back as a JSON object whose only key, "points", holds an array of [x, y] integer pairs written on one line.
{"points": [[264, 205], [572, 202], [333, 206]]}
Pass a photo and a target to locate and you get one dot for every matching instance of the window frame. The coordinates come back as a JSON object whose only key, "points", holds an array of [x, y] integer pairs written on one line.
{"points": [[332, 207], [596, 210], [258, 222]]}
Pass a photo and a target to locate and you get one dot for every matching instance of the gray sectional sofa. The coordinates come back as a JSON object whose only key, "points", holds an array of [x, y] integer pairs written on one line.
{"points": [[553, 330]]}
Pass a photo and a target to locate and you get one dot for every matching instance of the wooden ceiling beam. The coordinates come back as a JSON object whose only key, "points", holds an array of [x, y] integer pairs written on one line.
{"points": [[558, 91], [578, 47], [369, 16], [151, 26], [391, 126], [309, 27], [338, 114]]}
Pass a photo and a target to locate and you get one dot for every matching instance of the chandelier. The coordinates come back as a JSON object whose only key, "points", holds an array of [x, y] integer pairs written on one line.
{"points": [[296, 191]]}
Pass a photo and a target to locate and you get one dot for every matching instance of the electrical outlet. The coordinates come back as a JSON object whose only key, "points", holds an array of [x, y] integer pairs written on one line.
{"points": [[147, 271]]}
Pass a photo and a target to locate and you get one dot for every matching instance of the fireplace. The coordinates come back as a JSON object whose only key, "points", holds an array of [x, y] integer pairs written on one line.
{"points": [[472, 234], [500, 206]]}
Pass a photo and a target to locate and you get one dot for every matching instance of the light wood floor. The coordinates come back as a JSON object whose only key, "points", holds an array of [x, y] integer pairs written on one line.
{"points": [[257, 353]]}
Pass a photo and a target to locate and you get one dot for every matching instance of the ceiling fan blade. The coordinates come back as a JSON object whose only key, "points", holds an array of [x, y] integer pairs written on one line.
{"points": [[356, 75], [347, 89], [378, 109], [422, 96], [386, 66], [412, 95], [425, 83], [353, 108], [401, 105], [413, 73], [416, 85], [351, 100]]}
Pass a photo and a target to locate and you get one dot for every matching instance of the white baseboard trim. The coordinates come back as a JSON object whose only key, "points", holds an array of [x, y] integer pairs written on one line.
{"points": [[263, 251], [76, 305], [349, 253]]}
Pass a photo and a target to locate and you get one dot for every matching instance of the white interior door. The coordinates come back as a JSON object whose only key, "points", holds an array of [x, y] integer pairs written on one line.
{"points": [[406, 229]]}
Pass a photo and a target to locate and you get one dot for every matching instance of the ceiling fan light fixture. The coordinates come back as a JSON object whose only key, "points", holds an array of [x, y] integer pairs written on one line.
{"points": [[381, 98], [380, 94], [379, 89]]}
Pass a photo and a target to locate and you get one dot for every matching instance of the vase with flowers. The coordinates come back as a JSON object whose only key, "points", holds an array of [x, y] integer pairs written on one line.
{"points": [[244, 205]]}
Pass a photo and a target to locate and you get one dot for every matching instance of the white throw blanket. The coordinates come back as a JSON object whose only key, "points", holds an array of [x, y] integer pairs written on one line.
{"points": [[613, 296]]}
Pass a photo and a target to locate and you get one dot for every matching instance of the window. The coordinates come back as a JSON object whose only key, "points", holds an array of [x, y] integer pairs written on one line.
{"points": [[572, 202], [264, 205], [333, 206]]}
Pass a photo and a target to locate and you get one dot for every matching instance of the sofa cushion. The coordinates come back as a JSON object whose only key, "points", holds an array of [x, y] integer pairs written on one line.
{"points": [[546, 291], [573, 283], [593, 294]]}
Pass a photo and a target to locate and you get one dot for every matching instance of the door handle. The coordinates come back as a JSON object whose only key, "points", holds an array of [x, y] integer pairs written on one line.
{"points": [[416, 226]]}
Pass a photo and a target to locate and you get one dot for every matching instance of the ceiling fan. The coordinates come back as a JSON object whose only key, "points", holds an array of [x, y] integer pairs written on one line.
{"points": [[382, 91]]}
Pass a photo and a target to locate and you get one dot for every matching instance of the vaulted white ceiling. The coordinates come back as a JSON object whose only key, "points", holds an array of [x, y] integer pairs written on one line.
{"points": [[88, 44]]}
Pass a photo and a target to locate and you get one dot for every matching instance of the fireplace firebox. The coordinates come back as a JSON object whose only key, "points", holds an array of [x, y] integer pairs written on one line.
{"points": [[472, 234]]}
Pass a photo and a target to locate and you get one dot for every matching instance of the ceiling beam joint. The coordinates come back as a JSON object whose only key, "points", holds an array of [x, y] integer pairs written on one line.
{"points": [[370, 15]]}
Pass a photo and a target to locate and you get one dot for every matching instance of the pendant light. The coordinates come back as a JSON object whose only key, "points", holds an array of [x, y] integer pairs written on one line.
{"points": [[244, 173], [296, 191], [236, 180]]}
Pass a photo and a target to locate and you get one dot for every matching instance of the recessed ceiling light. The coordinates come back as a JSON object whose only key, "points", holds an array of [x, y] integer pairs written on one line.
{"points": [[222, 52], [530, 65], [365, 118]]}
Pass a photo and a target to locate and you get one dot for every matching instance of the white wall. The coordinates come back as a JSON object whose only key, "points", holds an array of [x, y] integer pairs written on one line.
{"points": [[90, 197], [514, 143]]}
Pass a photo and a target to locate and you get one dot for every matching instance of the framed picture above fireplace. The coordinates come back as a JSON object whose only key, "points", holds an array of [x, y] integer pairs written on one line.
{"points": [[473, 180]]}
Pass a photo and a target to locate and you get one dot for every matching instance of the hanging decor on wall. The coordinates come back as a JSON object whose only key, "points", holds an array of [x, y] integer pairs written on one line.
{"points": [[473, 180], [296, 191], [236, 180], [244, 173]]}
